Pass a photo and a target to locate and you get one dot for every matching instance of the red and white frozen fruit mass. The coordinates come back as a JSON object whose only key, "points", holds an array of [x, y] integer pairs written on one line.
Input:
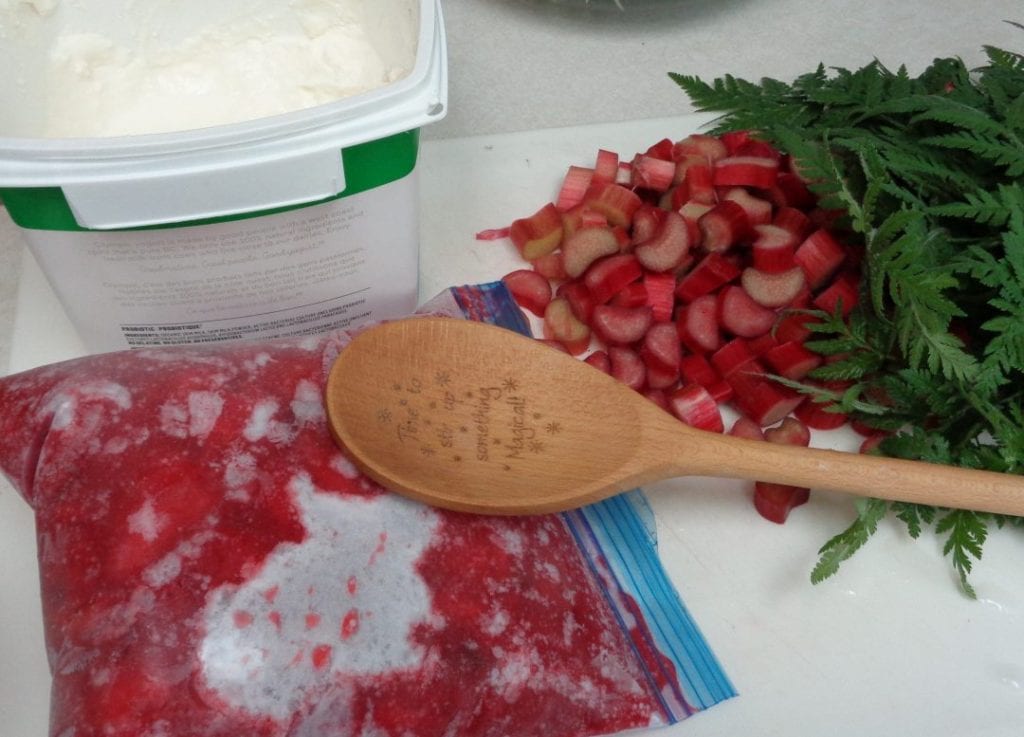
{"points": [[212, 564]]}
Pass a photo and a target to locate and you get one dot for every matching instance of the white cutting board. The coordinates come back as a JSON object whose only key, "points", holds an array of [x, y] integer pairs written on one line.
{"points": [[889, 646]]}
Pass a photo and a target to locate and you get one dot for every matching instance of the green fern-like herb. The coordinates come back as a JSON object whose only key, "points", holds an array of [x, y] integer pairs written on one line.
{"points": [[928, 171]]}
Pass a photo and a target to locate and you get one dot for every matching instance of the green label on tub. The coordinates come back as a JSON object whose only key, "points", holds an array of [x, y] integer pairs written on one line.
{"points": [[367, 165]]}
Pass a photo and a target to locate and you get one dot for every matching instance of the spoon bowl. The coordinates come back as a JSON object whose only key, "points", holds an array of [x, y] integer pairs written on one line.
{"points": [[477, 418]]}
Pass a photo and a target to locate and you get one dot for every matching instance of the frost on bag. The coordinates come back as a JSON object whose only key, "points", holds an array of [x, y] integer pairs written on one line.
{"points": [[212, 565]]}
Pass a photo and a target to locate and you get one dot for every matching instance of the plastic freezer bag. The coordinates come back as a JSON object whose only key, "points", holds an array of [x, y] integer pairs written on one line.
{"points": [[212, 564]]}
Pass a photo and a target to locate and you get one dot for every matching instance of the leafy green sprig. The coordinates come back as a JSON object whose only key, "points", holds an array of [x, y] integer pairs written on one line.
{"points": [[928, 172]]}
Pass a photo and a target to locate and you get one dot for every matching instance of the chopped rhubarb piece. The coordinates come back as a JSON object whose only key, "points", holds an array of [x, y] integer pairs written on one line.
{"points": [[624, 173], [574, 187], [740, 315], [580, 300], [773, 290], [606, 167], [658, 378], [721, 391], [631, 295], [744, 427], [661, 150], [646, 221], [667, 248], [792, 360], [793, 327], [615, 202], [652, 173], [791, 191], [662, 349], [723, 226], [758, 148], [774, 502], [538, 234], [551, 266], [732, 140], [660, 293], [862, 428], [790, 431], [759, 398], [870, 444], [657, 396], [820, 256], [592, 219], [700, 144], [610, 275], [530, 290], [697, 325], [746, 171], [698, 185], [758, 210], [732, 356], [841, 294], [600, 361], [685, 163], [562, 326], [695, 406], [627, 366], [586, 246], [620, 325], [773, 249], [817, 415], [493, 234], [793, 220], [709, 274], [695, 369], [762, 344]]}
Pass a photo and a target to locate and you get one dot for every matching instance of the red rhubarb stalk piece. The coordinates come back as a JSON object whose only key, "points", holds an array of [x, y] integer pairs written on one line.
{"points": [[586, 246], [774, 502], [697, 324], [732, 356], [627, 366], [841, 294], [606, 167], [820, 256], [695, 406], [563, 327], [493, 234], [661, 150], [758, 397], [793, 220], [631, 295], [773, 249], [744, 427], [758, 210], [615, 202], [723, 226], [762, 344], [817, 415], [581, 302], [709, 274], [620, 325], [740, 315], [790, 431], [667, 248], [610, 275], [660, 291], [773, 290], [530, 290], [746, 171], [791, 360], [662, 349], [646, 221], [574, 186], [694, 368], [538, 234], [652, 173], [600, 361], [698, 185], [550, 266], [657, 396], [709, 147]]}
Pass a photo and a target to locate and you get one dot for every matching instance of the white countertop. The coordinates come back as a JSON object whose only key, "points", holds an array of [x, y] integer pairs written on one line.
{"points": [[888, 647]]}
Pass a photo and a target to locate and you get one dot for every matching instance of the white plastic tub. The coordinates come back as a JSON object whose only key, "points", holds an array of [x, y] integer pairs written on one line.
{"points": [[291, 224]]}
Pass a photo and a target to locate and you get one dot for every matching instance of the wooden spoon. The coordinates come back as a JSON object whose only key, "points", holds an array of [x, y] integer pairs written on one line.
{"points": [[477, 418]]}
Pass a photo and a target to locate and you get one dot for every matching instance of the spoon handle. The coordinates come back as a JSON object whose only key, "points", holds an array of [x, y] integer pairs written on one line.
{"points": [[884, 478]]}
